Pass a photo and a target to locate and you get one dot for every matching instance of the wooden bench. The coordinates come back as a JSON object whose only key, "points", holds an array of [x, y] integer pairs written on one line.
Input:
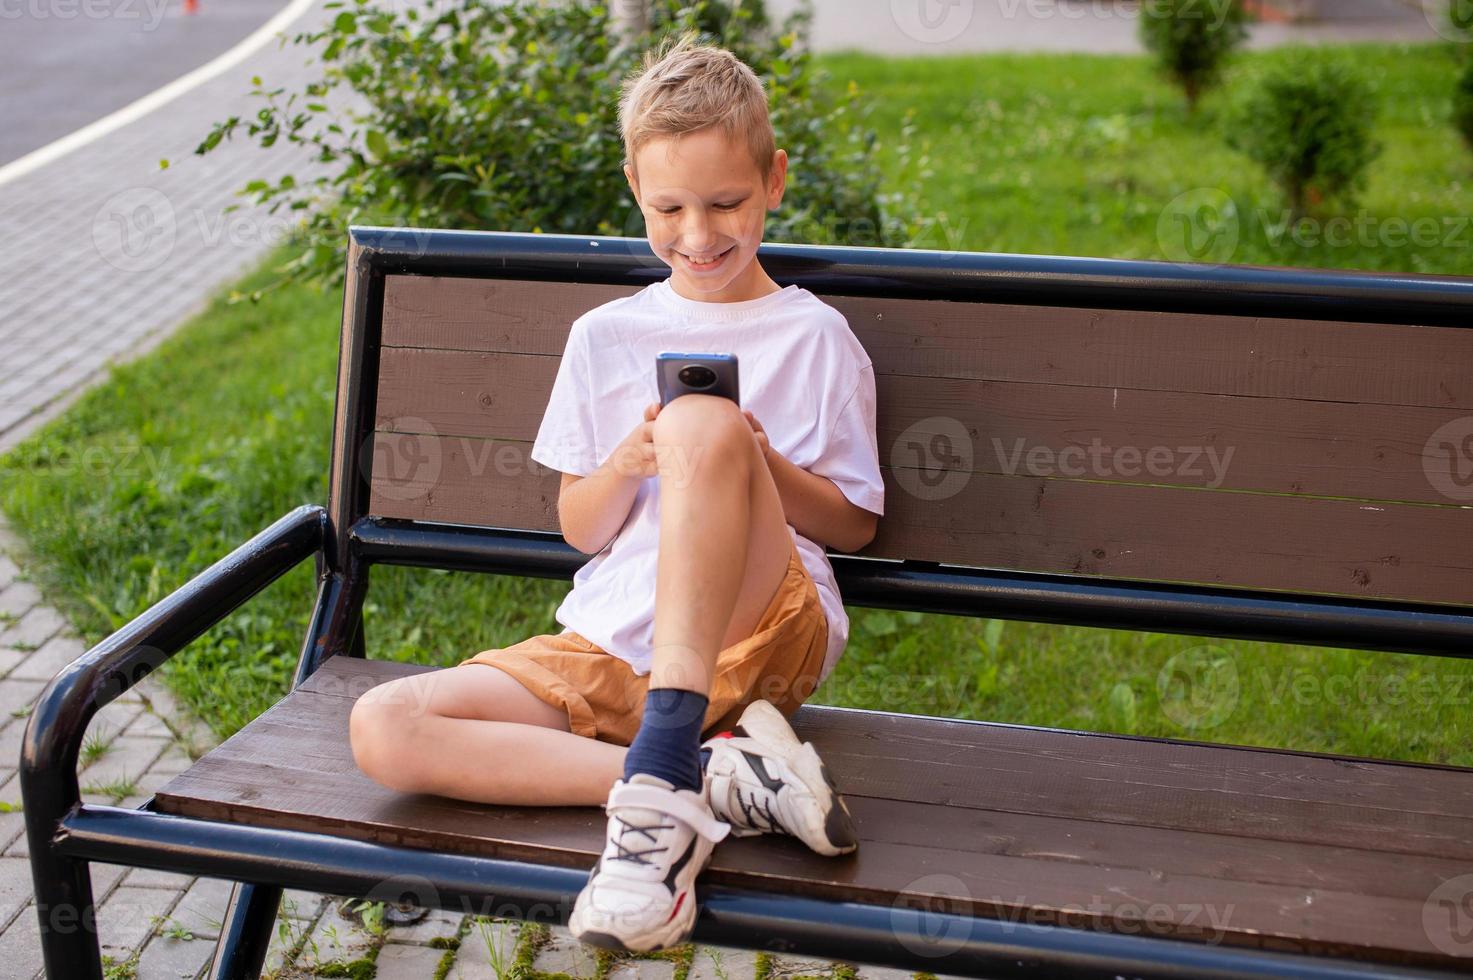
{"points": [[988, 849]]}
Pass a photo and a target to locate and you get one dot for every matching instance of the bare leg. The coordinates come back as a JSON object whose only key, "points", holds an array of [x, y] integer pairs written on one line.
{"points": [[473, 732], [724, 542]]}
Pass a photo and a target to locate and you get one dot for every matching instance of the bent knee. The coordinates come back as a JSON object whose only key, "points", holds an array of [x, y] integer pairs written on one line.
{"points": [[708, 421], [381, 735]]}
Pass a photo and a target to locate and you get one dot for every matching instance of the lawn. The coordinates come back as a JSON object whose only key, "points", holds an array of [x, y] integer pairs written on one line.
{"points": [[187, 452]]}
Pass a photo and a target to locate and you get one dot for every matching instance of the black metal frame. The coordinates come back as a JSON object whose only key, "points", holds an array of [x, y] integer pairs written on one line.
{"points": [[65, 835]]}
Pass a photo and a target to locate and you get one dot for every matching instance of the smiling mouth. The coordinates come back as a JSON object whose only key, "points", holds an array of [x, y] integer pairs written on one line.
{"points": [[706, 264]]}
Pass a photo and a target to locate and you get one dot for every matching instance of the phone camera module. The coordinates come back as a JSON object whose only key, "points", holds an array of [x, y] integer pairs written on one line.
{"points": [[697, 376]]}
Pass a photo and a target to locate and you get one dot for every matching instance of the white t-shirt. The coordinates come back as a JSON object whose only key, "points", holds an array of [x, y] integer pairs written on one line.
{"points": [[802, 374]]}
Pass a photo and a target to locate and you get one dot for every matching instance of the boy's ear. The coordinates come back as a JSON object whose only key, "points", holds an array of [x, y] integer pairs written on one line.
{"points": [[777, 183], [633, 181]]}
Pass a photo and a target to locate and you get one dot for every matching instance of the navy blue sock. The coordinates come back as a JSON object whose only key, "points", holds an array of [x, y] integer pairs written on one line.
{"points": [[668, 742]]}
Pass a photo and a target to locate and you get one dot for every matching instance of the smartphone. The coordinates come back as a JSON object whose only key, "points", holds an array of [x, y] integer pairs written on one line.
{"points": [[679, 374]]}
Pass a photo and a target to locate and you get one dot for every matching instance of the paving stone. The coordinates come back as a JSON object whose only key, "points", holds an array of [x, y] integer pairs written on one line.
{"points": [[789, 966], [12, 828], [15, 886], [334, 940], [167, 958], [283, 939], [104, 877], [34, 628], [113, 720], [8, 571], [127, 757], [48, 660], [148, 723], [16, 697], [633, 969], [564, 954], [882, 973], [10, 790], [399, 962], [18, 598], [154, 878], [202, 909], [20, 945], [10, 658], [298, 904], [486, 946], [127, 917], [722, 963], [173, 761]]}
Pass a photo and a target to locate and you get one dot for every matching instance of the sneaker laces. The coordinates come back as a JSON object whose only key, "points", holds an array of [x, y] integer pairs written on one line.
{"points": [[629, 854], [754, 809]]}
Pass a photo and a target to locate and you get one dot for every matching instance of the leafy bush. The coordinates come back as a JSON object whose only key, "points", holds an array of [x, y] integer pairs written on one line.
{"points": [[1460, 19], [1192, 39], [1309, 123], [1463, 104], [478, 114]]}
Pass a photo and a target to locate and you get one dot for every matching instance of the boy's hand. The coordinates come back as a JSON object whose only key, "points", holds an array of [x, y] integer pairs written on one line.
{"points": [[635, 456], [761, 434]]}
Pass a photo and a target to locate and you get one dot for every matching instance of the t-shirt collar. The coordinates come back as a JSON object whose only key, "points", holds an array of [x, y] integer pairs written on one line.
{"points": [[742, 310]]}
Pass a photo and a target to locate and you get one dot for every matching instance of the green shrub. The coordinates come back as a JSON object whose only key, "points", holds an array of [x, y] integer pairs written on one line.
{"points": [[1192, 39], [1463, 104], [503, 116], [1308, 122], [1460, 19]]}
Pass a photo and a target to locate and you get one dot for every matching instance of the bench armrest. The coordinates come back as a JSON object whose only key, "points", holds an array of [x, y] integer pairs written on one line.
{"points": [[53, 735]]}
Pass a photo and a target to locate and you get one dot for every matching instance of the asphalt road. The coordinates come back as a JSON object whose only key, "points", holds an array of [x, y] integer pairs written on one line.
{"points": [[67, 63]]}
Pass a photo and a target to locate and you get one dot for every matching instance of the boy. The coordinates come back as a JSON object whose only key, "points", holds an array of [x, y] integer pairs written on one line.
{"points": [[709, 605]]}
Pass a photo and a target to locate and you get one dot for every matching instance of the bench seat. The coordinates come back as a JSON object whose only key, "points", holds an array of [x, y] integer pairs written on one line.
{"points": [[1272, 849]]}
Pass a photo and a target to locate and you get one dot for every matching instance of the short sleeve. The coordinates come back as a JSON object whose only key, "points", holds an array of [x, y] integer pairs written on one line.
{"points": [[850, 457], [566, 439]]}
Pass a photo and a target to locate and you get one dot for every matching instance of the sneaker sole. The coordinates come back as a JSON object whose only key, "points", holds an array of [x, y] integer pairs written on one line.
{"points": [[761, 719]]}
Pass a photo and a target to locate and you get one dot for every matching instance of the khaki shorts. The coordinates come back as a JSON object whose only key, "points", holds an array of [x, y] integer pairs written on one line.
{"points": [[604, 698]]}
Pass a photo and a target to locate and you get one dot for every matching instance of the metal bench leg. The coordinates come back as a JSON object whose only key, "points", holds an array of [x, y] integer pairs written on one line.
{"points": [[69, 944], [250, 919]]}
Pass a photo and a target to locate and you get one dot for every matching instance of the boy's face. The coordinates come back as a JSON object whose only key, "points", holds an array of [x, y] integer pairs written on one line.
{"points": [[703, 197]]}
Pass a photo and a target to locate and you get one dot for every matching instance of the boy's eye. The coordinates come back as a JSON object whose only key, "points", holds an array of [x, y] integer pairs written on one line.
{"points": [[725, 207]]}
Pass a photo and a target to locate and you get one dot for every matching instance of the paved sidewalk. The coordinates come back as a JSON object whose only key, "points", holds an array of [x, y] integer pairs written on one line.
{"points": [[106, 253], [163, 926]]}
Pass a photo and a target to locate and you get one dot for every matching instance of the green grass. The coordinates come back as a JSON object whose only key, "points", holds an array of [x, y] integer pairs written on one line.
{"points": [[186, 453]]}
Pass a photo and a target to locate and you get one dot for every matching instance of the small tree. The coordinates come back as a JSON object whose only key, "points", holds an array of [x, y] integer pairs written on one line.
{"points": [[1308, 122], [1192, 39], [483, 114], [1463, 104]]}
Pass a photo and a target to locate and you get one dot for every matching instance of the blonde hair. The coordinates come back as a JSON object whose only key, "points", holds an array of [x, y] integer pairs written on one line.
{"points": [[684, 87]]}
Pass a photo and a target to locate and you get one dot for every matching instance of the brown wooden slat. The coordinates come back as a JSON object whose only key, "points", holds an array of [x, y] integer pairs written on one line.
{"points": [[1371, 452], [292, 767], [1300, 544], [1305, 359]]}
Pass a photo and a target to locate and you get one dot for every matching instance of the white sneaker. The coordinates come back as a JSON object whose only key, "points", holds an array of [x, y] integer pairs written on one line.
{"points": [[640, 895], [762, 780]]}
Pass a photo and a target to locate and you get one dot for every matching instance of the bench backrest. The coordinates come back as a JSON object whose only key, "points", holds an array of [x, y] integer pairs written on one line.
{"points": [[1281, 430]]}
